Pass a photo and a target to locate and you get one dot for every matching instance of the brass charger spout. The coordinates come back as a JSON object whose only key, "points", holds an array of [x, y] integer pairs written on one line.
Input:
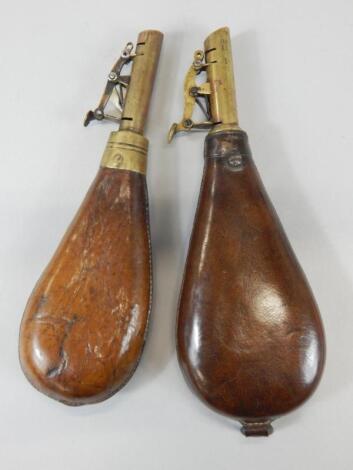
{"points": [[215, 97]]}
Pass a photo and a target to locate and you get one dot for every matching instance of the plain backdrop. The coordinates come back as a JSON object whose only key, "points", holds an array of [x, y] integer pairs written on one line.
{"points": [[294, 75]]}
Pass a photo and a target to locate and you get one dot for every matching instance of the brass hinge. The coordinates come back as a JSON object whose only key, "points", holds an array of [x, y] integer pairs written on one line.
{"points": [[115, 90], [194, 94]]}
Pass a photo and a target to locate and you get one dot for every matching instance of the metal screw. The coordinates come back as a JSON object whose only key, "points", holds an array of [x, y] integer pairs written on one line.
{"points": [[99, 114], [194, 90], [112, 76], [188, 122], [198, 58], [127, 52]]}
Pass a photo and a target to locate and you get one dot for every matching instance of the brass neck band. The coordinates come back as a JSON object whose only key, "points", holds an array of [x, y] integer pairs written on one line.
{"points": [[126, 150]]}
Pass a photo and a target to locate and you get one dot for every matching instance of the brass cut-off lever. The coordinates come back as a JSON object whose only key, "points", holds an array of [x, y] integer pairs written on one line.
{"points": [[194, 94], [115, 90]]}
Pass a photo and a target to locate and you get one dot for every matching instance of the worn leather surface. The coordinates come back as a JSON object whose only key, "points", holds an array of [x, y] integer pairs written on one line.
{"points": [[250, 339], [84, 326]]}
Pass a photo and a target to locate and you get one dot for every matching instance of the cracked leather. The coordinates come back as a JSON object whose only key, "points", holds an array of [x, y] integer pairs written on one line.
{"points": [[250, 339], [84, 326]]}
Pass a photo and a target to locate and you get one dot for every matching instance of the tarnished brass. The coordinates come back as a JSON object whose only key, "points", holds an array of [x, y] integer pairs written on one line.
{"points": [[114, 90], [218, 52], [218, 91], [143, 71], [192, 94], [126, 150]]}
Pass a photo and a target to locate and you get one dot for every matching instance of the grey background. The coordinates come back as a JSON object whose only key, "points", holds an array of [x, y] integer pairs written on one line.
{"points": [[294, 74]]}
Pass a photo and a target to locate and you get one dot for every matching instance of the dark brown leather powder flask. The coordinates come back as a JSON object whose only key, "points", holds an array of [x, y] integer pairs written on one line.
{"points": [[249, 336], [84, 326]]}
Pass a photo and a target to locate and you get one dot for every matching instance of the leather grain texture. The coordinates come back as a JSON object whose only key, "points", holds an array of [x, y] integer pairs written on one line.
{"points": [[250, 339], [85, 323]]}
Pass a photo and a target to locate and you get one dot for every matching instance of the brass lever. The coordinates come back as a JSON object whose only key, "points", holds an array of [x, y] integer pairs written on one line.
{"points": [[193, 93], [115, 89], [218, 92]]}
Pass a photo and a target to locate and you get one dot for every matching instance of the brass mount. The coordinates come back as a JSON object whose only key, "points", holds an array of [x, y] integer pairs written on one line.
{"points": [[126, 98], [215, 97], [129, 97]]}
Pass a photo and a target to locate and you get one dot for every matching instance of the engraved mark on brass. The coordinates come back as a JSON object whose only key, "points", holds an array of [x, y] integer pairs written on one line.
{"points": [[126, 150]]}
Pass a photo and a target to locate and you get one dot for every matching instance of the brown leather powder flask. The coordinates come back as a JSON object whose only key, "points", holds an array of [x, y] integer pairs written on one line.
{"points": [[249, 335], [84, 326]]}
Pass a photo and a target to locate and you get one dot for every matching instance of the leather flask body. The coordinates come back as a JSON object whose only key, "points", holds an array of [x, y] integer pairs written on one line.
{"points": [[250, 338], [84, 326]]}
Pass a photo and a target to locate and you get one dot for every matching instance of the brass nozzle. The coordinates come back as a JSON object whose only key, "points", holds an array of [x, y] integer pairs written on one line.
{"points": [[220, 75], [143, 72]]}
